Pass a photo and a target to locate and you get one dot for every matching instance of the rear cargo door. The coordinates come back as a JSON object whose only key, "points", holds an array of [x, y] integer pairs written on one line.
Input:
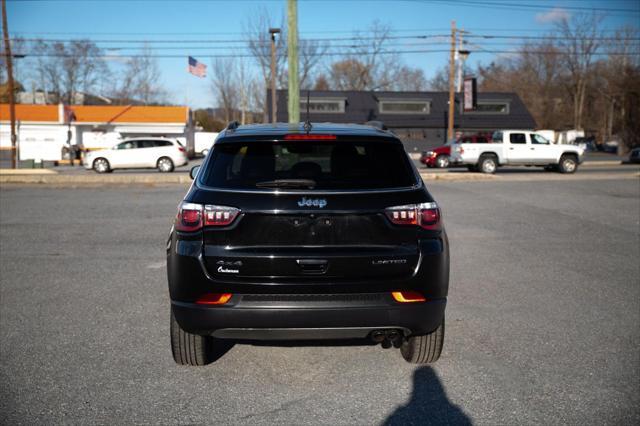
{"points": [[310, 212]]}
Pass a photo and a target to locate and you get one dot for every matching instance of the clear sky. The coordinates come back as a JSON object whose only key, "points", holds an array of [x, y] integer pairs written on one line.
{"points": [[223, 20]]}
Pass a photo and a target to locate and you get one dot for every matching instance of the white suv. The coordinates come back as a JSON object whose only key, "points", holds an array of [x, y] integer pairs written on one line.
{"points": [[163, 154]]}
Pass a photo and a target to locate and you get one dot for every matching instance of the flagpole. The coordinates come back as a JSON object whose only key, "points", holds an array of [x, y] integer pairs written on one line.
{"points": [[186, 99]]}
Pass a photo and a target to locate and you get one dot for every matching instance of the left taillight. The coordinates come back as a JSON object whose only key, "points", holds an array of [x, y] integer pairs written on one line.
{"points": [[425, 215], [192, 217]]}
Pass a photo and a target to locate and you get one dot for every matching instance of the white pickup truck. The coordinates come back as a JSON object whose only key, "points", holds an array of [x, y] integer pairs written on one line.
{"points": [[517, 147]]}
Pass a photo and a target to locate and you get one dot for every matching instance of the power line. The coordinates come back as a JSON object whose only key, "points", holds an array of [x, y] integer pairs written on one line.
{"points": [[550, 37], [196, 33], [331, 53], [266, 42], [327, 39], [528, 7]]}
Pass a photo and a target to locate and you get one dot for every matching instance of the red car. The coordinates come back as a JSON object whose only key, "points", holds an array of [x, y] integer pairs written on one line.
{"points": [[440, 157]]}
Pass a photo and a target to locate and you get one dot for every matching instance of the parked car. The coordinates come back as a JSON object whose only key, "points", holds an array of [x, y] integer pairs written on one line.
{"points": [[634, 155], [611, 146], [298, 233], [586, 143], [163, 154], [440, 157], [518, 147]]}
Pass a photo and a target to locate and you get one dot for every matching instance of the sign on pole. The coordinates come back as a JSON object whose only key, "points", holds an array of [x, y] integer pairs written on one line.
{"points": [[470, 94]]}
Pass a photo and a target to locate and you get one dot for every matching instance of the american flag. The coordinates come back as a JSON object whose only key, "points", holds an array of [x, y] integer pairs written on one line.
{"points": [[197, 68]]}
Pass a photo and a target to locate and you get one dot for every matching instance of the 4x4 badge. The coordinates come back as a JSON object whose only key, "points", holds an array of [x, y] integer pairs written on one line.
{"points": [[315, 202]]}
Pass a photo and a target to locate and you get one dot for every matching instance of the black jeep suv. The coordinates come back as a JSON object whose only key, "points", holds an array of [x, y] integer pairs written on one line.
{"points": [[291, 232]]}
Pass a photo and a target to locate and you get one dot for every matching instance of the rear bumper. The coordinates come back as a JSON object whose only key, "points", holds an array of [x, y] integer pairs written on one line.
{"points": [[277, 320]]}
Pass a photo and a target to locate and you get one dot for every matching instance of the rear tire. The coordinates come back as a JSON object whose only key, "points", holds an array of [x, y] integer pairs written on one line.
{"points": [[424, 349], [101, 165], [568, 164], [488, 164], [442, 161], [189, 349], [165, 165]]}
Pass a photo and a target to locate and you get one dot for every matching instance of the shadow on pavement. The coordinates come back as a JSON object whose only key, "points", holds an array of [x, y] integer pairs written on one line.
{"points": [[429, 404]]}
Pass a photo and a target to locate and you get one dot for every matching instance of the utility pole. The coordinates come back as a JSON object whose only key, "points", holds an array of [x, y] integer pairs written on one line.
{"points": [[273, 32], [452, 69], [12, 101], [294, 86]]}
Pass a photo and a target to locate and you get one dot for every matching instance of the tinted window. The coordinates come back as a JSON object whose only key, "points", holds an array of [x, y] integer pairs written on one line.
{"points": [[147, 144], [323, 106], [537, 139], [497, 137], [493, 107], [127, 145], [517, 138], [407, 107], [331, 165]]}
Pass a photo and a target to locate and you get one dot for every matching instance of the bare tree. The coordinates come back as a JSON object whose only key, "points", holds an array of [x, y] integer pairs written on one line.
{"points": [[379, 65], [536, 75], [67, 69], [350, 74], [371, 65], [48, 70], [408, 79], [140, 80], [440, 81], [311, 54], [578, 42], [224, 85], [616, 83], [321, 83]]}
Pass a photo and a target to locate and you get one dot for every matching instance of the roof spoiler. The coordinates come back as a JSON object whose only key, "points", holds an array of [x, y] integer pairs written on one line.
{"points": [[377, 124]]}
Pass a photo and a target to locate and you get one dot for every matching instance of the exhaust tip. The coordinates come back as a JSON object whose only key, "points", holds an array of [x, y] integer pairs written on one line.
{"points": [[378, 336]]}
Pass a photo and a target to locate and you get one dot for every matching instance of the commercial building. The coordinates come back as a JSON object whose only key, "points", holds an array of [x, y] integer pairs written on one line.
{"points": [[418, 118], [43, 130]]}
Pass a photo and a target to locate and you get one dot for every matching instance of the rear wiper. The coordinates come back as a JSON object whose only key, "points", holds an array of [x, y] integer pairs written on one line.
{"points": [[288, 183]]}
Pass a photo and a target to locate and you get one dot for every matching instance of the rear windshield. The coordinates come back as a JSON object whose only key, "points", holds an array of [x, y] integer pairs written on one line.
{"points": [[314, 165]]}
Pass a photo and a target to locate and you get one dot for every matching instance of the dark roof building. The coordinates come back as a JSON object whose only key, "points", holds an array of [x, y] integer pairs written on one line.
{"points": [[418, 118]]}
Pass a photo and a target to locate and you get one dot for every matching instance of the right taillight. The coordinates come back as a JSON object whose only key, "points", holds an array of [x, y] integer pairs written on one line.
{"points": [[426, 215], [192, 217]]}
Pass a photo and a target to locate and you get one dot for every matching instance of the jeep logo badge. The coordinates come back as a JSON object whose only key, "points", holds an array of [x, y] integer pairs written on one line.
{"points": [[315, 202]]}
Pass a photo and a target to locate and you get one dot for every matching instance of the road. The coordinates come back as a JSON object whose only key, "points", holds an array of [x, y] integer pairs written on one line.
{"points": [[542, 322], [597, 164]]}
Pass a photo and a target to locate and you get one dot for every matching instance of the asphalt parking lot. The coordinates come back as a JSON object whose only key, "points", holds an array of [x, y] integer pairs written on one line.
{"points": [[543, 321]]}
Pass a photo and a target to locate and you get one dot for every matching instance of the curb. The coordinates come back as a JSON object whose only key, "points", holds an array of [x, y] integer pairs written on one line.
{"points": [[26, 172], [124, 179], [605, 163], [463, 176], [183, 178]]}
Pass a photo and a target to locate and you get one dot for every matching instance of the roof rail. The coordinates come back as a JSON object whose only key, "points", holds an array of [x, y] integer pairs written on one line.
{"points": [[233, 125], [377, 124]]}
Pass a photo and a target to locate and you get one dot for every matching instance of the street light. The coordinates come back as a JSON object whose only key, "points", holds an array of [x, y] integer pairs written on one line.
{"points": [[273, 32]]}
